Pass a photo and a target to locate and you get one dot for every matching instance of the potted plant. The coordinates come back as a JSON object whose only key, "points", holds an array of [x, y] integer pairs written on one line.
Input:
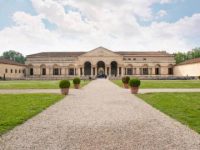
{"points": [[125, 81], [134, 84], [76, 82], [64, 86]]}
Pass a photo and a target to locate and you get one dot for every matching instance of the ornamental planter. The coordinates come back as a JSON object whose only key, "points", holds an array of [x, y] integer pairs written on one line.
{"points": [[64, 86], [126, 85], [125, 81], [76, 82], [134, 84], [76, 86], [65, 91], [134, 90]]}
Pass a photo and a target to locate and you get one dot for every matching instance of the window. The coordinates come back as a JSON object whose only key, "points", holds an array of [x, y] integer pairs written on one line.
{"points": [[31, 71], [19, 71], [15, 70], [6, 70], [55, 71], [157, 71], [170, 71], [43, 71], [71, 71], [134, 58], [129, 58], [81, 71], [144, 59], [124, 58], [11, 71], [145, 71], [129, 71], [120, 70]]}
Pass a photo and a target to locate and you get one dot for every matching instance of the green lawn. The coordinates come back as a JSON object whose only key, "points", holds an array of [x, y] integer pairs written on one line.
{"points": [[17, 108], [184, 107], [165, 83], [34, 84]]}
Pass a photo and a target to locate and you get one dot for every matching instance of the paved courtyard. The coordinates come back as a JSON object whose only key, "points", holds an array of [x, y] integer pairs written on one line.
{"points": [[101, 116]]}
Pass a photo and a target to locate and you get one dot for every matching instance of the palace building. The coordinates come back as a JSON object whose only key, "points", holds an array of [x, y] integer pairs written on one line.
{"points": [[97, 62]]}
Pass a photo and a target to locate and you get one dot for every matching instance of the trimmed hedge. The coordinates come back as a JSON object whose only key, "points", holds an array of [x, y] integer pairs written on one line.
{"points": [[135, 82], [125, 79], [64, 84], [76, 80]]}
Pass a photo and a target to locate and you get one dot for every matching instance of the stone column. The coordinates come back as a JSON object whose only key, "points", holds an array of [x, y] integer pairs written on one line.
{"points": [[96, 71], [122, 71], [83, 71]]}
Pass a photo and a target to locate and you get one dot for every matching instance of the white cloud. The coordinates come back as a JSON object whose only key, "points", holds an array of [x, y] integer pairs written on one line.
{"points": [[88, 24], [162, 13]]}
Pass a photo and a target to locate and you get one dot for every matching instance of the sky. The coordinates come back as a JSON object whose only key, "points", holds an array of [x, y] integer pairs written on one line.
{"points": [[32, 26]]}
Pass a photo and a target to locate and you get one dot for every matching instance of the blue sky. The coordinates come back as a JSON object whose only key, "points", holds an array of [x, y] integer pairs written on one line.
{"points": [[78, 25]]}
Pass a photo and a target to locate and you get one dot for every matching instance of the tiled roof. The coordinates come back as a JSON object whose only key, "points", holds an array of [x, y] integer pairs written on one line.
{"points": [[191, 61], [10, 62], [153, 53], [76, 54], [56, 54]]}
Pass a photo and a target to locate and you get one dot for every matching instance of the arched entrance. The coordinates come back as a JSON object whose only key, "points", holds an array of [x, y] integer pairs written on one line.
{"points": [[101, 69], [114, 68], [87, 68]]}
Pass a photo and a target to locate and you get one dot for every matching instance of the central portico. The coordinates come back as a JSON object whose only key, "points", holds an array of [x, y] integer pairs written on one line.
{"points": [[100, 61]]}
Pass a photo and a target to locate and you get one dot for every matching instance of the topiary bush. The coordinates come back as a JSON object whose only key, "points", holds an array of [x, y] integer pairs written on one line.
{"points": [[64, 84], [135, 82], [126, 79], [76, 80]]}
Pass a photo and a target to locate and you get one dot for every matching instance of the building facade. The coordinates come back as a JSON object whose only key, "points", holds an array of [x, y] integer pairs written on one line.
{"points": [[188, 68], [11, 70], [99, 61]]}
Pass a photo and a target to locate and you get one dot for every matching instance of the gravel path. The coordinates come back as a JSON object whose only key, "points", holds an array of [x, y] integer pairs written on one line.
{"points": [[20, 91], [101, 116]]}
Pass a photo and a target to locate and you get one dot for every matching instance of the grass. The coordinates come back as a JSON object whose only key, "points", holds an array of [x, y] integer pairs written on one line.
{"points": [[17, 108], [184, 107], [165, 83], [34, 84]]}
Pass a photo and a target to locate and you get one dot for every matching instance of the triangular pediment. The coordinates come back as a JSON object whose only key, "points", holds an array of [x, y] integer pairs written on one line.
{"points": [[100, 52]]}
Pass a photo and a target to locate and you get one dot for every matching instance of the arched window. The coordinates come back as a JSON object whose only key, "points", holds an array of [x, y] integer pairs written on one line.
{"points": [[170, 70], [87, 68], [114, 68], [43, 69], [157, 70]]}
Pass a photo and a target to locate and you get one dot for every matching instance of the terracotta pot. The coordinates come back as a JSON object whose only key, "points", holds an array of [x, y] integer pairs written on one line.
{"points": [[134, 90], [126, 85], [76, 86], [65, 91]]}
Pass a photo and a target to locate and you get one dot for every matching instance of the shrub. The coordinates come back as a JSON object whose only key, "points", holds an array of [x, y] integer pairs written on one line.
{"points": [[135, 82], [64, 84], [76, 80], [199, 77], [126, 79]]}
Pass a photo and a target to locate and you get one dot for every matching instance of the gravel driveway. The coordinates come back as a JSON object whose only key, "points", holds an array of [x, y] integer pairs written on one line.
{"points": [[101, 116]]}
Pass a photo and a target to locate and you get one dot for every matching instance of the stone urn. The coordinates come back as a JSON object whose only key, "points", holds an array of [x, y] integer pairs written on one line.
{"points": [[65, 91], [134, 90], [76, 86], [126, 85]]}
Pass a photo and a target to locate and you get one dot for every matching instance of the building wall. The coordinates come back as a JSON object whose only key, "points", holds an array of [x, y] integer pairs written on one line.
{"points": [[13, 71], [78, 63], [187, 70]]}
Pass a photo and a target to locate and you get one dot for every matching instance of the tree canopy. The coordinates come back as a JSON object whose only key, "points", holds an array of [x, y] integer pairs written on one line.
{"points": [[13, 55], [183, 56]]}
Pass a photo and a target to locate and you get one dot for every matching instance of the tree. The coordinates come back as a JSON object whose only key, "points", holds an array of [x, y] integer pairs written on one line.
{"points": [[13, 55], [180, 56]]}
